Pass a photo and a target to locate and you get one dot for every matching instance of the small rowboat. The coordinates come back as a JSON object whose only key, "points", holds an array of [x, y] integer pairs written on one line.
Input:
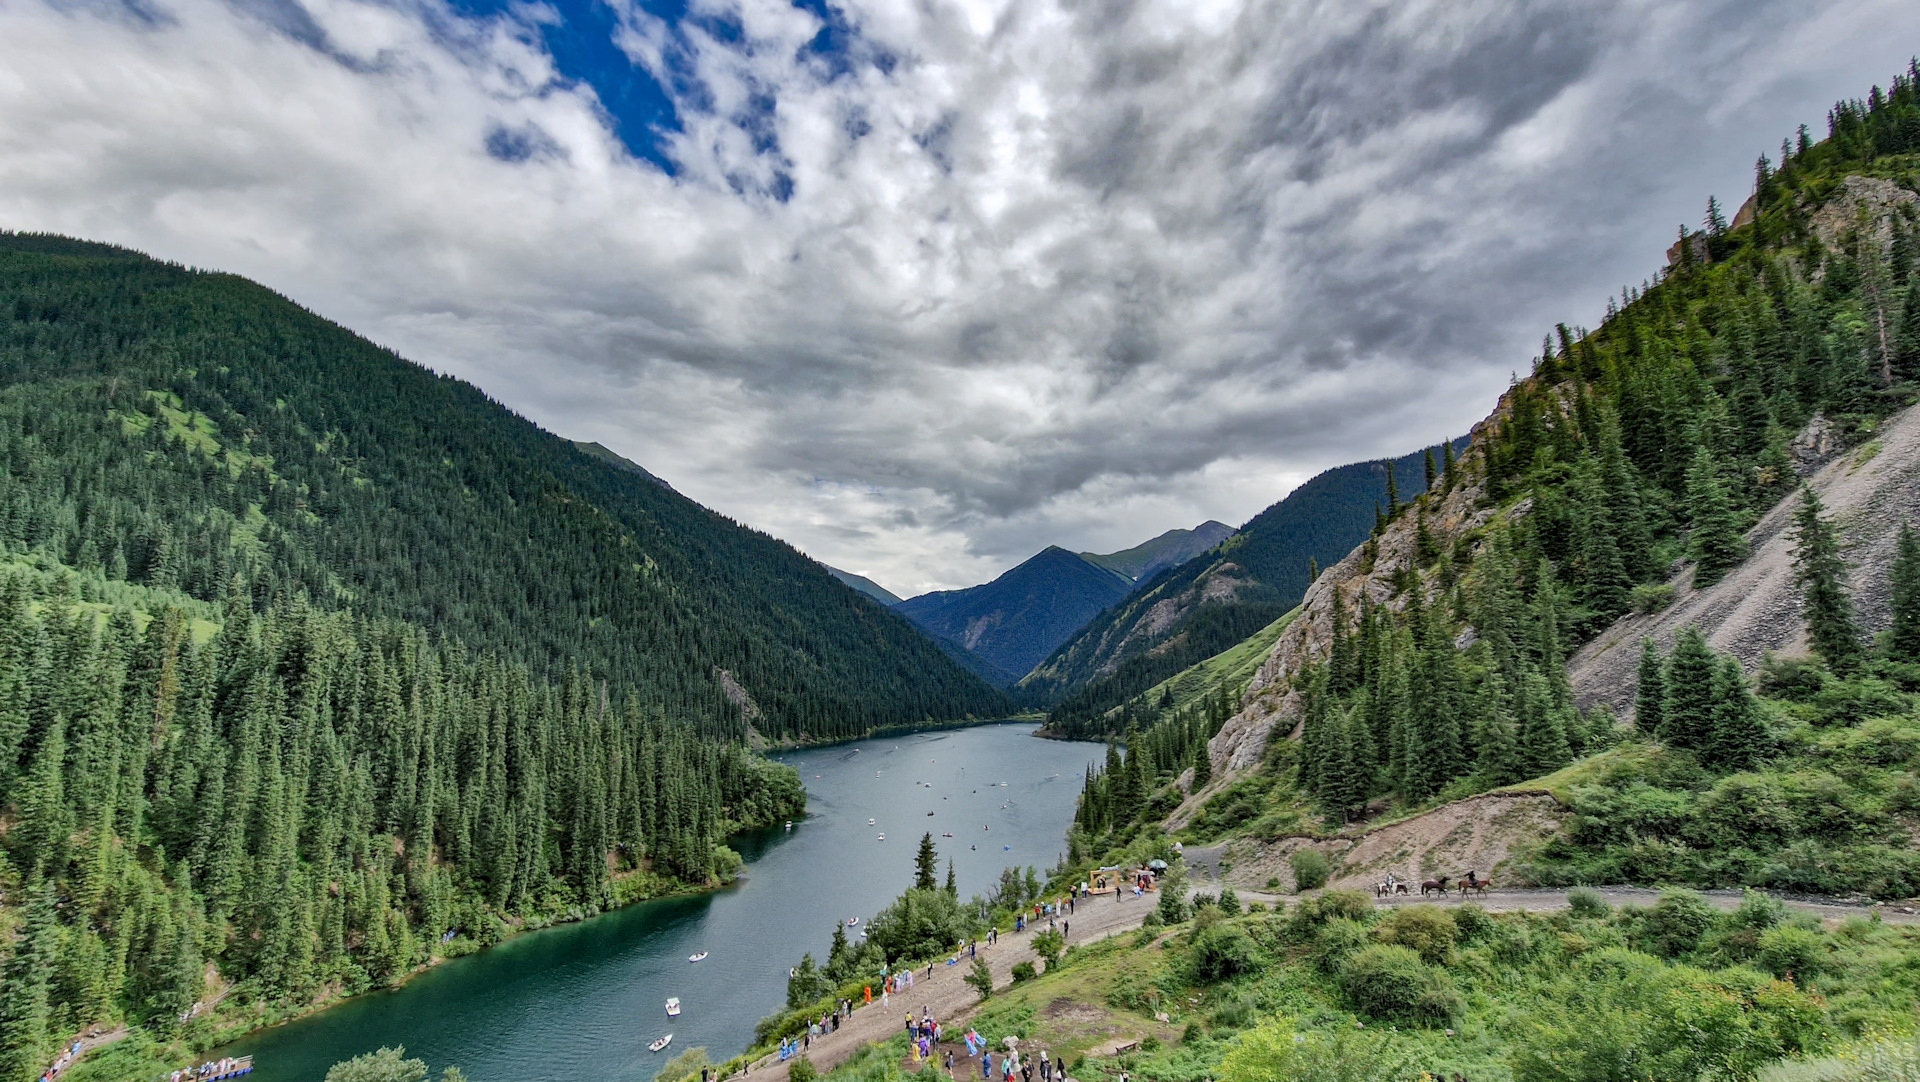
{"points": [[673, 1007], [851, 921], [883, 837], [697, 957], [660, 1042]]}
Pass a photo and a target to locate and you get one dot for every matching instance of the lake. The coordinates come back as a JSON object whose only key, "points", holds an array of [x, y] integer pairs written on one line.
{"points": [[582, 1001]]}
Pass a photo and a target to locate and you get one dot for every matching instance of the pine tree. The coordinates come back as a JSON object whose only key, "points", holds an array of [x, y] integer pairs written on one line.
{"points": [[1739, 736], [1821, 572], [1650, 700], [1393, 493], [1202, 768], [1715, 542], [1903, 637], [952, 887], [1432, 474], [25, 1014], [925, 864], [1688, 718]]}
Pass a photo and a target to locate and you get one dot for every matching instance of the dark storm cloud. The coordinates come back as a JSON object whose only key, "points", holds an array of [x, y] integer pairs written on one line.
{"points": [[925, 286]]}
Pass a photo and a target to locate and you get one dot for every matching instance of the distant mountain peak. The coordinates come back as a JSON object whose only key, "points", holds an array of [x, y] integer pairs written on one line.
{"points": [[1145, 560], [865, 585]]}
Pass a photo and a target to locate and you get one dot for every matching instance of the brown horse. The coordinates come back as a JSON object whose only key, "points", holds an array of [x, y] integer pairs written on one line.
{"points": [[1432, 885], [1475, 883]]}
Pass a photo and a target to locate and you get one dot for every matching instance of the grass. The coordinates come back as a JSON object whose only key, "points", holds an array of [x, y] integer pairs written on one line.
{"points": [[1232, 667]]}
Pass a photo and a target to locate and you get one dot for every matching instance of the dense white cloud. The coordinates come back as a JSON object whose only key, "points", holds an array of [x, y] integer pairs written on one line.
{"points": [[1044, 271]]}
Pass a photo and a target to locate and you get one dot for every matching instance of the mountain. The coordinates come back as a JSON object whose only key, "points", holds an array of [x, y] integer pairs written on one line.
{"points": [[1174, 547], [181, 429], [866, 586], [1692, 519], [1190, 612], [606, 454], [1017, 619]]}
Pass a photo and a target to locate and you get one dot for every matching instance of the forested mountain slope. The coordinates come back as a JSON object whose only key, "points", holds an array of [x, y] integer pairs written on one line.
{"points": [[866, 586], [1190, 612], [1645, 478], [177, 428], [1019, 617]]}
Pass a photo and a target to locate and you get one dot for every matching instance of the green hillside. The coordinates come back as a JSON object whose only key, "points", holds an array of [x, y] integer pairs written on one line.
{"points": [[179, 428], [1145, 560], [1221, 597], [1654, 440]]}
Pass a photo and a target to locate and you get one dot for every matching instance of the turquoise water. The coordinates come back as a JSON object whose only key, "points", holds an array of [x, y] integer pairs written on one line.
{"points": [[583, 1000]]}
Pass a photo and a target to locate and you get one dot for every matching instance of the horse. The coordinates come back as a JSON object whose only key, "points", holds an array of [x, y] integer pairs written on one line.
{"points": [[1402, 888], [1430, 885], [1473, 882]]}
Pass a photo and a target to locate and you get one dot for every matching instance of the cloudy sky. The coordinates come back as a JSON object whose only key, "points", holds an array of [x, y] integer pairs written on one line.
{"points": [[925, 285]]}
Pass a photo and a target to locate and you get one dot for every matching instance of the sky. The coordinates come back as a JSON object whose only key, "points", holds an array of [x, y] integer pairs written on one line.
{"points": [[923, 286]]}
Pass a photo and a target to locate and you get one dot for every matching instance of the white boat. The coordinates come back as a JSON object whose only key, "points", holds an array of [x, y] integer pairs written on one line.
{"points": [[673, 1007], [660, 1042], [883, 837], [697, 957], [869, 822], [851, 921]]}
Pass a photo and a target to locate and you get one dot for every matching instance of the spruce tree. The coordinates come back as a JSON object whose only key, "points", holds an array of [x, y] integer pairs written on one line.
{"points": [[1650, 700], [1821, 572], [1688, 718], [1739, 736], [952, 887], [1903, 637], [25, 1014], [1715, 542], [1393, 492], [925, 864], [1202, 768]]}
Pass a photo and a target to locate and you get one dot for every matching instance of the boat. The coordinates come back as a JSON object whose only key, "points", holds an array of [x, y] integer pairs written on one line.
{"points": [[948, 834], [660, 1042], [673, 1007], [851, 921], [701, 957], [789, 824], [929, 813], [869, 822], [883, 837]]}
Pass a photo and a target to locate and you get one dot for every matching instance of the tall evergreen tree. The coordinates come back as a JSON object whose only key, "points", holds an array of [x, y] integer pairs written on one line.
{"points": [[1821, 572], [925, 864], [1650, 699], [25, 1012], [1714, 542], [1739, 736], [1688, 720], [1903, 637]]}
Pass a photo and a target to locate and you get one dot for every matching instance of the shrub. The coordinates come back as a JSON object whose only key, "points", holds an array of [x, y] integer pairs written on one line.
{"points": [[1220, 953], [1587, 902], [1276, 1053], [801, 1070], [1651, 596], [1427, 930], [1310, 869], [1392, 984], [1474, 923], [1351, 904], [1273, 882], [981, 978], [1677, 921], [1229, 902], [686, 1065], [1336, 941], [1023, 972], [1788, 950]]}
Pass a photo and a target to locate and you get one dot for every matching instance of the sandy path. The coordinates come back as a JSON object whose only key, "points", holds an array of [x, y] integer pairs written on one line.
{"points": [[952, 1001]]}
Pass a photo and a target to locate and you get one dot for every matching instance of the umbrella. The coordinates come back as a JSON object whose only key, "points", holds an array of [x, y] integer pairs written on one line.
{"points": [[1157, 865]]}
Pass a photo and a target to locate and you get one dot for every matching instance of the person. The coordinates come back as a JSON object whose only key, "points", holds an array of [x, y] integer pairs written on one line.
{"points": [[949, 1062], [868, 992], [986, 1064], [1066, 928]]}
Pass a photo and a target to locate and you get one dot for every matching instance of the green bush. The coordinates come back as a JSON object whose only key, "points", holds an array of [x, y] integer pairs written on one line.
{"points": [[1276, 1053], [1310, 869], [1651, 596], [1336, 941], [1229, 902], [1221, 953], [1677, 921], [1587, 902], [801, 1070], [1391, 984], [1788, 950], [1427, 930], [1023, 972]]}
